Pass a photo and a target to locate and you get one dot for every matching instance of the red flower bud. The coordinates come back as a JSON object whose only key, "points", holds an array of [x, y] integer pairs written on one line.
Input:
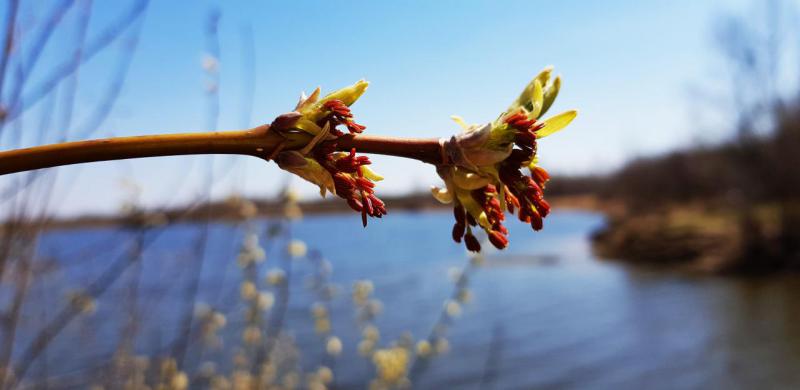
{"points": [[497, 239], [472, 243], [536, 222], [540, 176], [285, 121], [458, 231], [341, 114], [460, 214]]}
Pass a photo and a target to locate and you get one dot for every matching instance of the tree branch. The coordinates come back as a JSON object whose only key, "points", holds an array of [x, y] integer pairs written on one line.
{"points": [[257, 142]]}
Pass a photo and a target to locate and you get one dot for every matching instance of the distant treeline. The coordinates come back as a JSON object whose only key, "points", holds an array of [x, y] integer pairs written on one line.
{"points": [[751, 182], [748, 169]]}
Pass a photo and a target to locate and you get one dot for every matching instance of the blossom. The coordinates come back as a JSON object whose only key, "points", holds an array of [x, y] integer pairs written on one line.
{"points": [[265, 300], [362, 289], [322, 325], [424, 348], [276, 276], [333, 346], [325, 374], [452, 308], [370, 332], [343, 174], [180, 381], [391, 364], [483, 172], [248, 290], [251, 335], [296, 248]]}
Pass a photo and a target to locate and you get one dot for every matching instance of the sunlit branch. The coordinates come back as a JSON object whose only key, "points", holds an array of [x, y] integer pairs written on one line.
{"points": [[257, 142]]}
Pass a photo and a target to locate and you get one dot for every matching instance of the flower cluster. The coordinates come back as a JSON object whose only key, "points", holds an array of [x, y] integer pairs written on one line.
{"points": [[391, 365], [210, 322], [344, 174], [483, 176]]}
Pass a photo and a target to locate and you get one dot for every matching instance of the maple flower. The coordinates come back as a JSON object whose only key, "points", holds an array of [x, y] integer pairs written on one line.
{"points": [[344, 174], [483, 175]]}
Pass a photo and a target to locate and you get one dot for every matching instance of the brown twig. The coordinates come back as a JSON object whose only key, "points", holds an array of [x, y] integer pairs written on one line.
{"points": [[258, 142], [66, 314], [18, 106], [8, 45]]}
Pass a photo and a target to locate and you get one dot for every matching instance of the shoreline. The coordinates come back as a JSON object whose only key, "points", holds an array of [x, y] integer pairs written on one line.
{"points": [[686, 238], [699, 238], [225, 211]]}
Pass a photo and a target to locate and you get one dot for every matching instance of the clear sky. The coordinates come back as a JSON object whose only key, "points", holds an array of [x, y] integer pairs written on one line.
{"points": [[628, 67]]}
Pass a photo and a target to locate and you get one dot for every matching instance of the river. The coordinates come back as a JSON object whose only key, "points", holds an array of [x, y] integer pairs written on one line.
{"points": [[544, 314]]}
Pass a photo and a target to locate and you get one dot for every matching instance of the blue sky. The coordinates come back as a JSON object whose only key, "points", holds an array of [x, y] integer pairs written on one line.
{"points": [[627, 66]]}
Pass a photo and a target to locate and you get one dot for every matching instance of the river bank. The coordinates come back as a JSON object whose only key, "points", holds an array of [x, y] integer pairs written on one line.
{"points": [[701, 238]]}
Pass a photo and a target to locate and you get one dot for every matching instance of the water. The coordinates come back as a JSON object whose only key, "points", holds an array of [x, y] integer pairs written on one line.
{"points": [[545, 313]]}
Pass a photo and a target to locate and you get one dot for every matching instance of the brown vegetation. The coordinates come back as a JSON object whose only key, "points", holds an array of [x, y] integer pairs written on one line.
{"points": [[737, 203]]}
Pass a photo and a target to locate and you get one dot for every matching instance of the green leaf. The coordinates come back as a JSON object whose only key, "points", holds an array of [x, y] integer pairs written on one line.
{"points": [[525, 98], [349, 94], [544, 75], [550, 95], [310, 170], [537, 99], [460, 121], [522, 100], [556, 123], [473, 208], [306, 101], [307, 126], [370, 174]]}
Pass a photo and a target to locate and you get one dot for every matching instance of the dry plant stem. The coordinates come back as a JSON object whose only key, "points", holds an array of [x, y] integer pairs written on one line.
{"points": [[258, 142]]}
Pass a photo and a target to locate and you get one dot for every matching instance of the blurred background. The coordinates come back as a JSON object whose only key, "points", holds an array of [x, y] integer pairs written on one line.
{"points": [[669, 262]]}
